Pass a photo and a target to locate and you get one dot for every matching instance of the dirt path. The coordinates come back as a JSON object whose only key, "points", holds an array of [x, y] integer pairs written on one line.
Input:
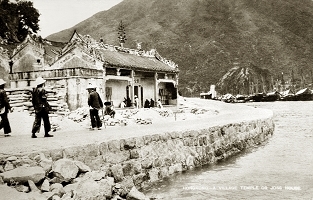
{"points": [[72, 134]]}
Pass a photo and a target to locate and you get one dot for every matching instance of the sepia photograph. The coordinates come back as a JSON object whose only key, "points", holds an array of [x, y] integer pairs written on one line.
{"points": [[156, 99]]}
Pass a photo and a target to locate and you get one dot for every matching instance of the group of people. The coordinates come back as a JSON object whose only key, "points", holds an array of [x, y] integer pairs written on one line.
{"points": [[151, 104], [127, 102], [148, 103], [41, 108]]}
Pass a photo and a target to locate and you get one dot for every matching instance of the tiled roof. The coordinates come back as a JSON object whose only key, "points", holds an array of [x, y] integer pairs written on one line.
{"points": [[126, 60]]}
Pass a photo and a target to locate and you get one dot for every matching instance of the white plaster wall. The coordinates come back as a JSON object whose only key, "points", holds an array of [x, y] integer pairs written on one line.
{"points": [[22, 84], [118, 91], [13, 84], [83, 92], [148, 89], [72, 93]]}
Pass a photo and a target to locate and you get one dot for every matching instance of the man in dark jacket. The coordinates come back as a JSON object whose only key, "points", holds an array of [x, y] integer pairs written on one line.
{"points": [[4, 109], [95, 103], [42, 107]]}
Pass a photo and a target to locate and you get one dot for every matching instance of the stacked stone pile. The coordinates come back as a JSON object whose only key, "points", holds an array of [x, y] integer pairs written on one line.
{"points": [[20, 99], [39, 178], [56, 97]]}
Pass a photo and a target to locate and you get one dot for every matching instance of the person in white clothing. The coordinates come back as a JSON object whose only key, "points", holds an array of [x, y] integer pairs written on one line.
{"points": [[159, 104], [136, 102]]}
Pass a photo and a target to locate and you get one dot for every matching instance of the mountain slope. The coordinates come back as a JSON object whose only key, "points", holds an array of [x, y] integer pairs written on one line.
{"points": [[205, 37]]}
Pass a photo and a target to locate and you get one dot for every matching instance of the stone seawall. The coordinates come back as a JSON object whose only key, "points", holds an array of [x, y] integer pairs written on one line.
{"points": [[117, 167]]}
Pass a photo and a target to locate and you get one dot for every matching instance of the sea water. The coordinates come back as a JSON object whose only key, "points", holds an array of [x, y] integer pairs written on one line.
{"points": [[281, 168]]}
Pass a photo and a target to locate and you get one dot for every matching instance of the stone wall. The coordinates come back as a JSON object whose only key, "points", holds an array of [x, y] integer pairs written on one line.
{"points": [[125, 164]]}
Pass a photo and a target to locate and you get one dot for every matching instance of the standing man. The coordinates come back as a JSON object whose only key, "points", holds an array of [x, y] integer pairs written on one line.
{"points": [[42, 107], [95, 103], [4, 109]]}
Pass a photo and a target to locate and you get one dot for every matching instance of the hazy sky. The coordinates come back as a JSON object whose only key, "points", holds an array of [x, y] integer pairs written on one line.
{"points": [[57, 15]]}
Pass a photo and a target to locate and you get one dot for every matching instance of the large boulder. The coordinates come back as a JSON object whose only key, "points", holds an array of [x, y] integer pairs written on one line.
{"points": [[82, 167], [23, 174], [89, 189], [64, 170]]}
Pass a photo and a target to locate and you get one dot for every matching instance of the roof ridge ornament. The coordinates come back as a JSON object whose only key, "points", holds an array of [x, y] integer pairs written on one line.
{"points": [[91, 43]]}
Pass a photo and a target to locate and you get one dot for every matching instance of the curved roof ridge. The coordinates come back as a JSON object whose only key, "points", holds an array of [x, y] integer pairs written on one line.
{"points": [[141, 53]]}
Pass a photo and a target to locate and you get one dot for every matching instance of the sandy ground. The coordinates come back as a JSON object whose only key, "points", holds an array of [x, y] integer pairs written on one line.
{"points": [[72, 133]]}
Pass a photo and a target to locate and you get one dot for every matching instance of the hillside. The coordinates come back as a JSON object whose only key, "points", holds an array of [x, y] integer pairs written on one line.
{"points": [[206, 37]]}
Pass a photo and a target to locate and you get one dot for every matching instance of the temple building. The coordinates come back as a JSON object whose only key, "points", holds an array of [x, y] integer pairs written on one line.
{"points": [[119, 73]]}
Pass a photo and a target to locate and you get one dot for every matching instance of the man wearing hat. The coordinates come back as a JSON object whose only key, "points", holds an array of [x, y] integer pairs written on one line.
{"points": [[4, 109], [95, 103], [42, 107]]}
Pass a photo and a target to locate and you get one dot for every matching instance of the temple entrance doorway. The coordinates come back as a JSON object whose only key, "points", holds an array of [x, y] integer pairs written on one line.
{"points": [[138, 91]]}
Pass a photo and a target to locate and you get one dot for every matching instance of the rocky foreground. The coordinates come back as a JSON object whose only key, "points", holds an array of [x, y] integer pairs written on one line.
{"points": [[35, 176], [62, 179]]}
